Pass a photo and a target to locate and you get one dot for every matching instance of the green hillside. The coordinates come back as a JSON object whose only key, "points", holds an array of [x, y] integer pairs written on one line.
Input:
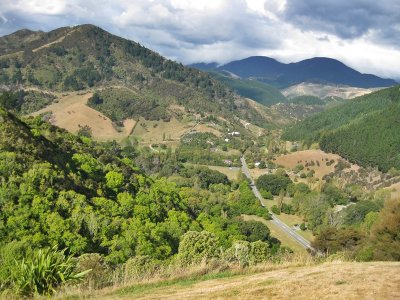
{"points": [[261, 92], [364, 130], [87, 57], [66, 191]]}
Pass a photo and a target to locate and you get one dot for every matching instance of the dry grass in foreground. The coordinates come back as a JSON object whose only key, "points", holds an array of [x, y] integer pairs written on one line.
{"points": [[301, 279], [377, 280]]}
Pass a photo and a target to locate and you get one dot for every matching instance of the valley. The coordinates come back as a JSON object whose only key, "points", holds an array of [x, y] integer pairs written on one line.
{"points": [[137, 176]]}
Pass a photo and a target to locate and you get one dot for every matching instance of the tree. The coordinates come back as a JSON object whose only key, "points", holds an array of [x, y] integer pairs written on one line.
{"points": [[273, 183], [254, 231], [114, 180], [85, 131]]}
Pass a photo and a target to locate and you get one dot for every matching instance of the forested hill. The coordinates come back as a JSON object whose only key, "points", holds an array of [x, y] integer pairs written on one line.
{"points": [[85, 56], [365, 130], [58, 189]]}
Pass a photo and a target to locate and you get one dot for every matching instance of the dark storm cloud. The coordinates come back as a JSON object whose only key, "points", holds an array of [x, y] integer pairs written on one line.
{"points": [[347, 19]]}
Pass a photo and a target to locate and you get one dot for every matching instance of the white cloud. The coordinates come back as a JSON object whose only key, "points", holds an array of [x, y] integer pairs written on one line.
{"points": [[224, 30]]}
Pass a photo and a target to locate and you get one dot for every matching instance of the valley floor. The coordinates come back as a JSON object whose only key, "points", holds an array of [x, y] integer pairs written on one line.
{"points": [[333, 280]]}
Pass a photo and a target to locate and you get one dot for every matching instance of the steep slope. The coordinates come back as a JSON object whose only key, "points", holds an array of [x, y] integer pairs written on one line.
{"points": [[316, 70], [365, 130], [87, 57]]}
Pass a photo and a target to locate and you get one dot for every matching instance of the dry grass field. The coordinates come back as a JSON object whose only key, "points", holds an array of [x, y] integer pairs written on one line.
{"points": [[231, 172], [330, 280], [302, 157], [150, 132], [71, 112]]}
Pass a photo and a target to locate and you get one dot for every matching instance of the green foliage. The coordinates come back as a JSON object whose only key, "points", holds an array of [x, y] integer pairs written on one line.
{"points": [[246, 253], [333, 195], [196, 148], [114, 180], [196, 247], [355, 214], [266, 194], [300, 188], [259, 91], [247, 203], [383, 242], [255, 231], [307, 100], [332, 240], [273, 183], [275, 209], [44, 272], [205, 176], [361, 130], [86, 197]]}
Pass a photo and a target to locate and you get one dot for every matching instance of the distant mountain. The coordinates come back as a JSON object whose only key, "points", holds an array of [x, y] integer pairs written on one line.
{"points": [[316, 70], [365, 130]]}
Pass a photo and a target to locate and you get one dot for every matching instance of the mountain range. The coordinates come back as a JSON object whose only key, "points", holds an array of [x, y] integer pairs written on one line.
{"points": [[316, 70]]}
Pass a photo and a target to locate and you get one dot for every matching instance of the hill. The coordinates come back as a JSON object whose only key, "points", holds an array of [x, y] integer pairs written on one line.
{"points": [[364, 130], [332, 280], [144, 83], [259, 91], [316, 70]]}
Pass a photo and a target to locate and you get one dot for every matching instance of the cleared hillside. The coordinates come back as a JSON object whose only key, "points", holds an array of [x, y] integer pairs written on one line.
{"points": [[325, 90]]}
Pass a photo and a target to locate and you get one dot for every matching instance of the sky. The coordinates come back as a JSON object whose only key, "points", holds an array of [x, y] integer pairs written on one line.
{"points": [[364, 34]]}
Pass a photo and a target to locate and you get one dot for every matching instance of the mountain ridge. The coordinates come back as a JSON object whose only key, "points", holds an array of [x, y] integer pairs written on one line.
{"points": [[87, 57], [316, 70]]}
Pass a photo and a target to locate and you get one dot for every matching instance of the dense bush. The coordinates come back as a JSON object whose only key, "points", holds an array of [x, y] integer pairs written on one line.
{"points": [[273, 183], [198, 246]]}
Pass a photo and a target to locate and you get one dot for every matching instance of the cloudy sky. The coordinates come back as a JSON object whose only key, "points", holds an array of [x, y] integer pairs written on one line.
{"points": [[364, 34]]}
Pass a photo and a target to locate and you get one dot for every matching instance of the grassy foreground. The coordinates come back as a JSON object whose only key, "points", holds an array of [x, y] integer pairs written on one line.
{"points": [[291, 280]]}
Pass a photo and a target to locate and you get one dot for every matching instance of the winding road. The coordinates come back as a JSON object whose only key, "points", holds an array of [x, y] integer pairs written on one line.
{"points": [[285, 228]]}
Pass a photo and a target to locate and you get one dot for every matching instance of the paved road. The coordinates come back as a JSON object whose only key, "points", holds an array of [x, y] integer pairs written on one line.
{"points": [[289, 231]]}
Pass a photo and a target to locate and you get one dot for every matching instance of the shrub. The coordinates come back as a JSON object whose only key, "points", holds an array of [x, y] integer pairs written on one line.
{"points": [[44, 272], [275, 210], [266, 194], [98, 277], [239, 253], [198, 246], [259, 252], [142, 266], [254, 231], [246, 253], [303, 226]]}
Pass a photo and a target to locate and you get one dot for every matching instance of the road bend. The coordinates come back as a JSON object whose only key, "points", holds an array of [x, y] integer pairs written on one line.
{"points": [[284, 227]]}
